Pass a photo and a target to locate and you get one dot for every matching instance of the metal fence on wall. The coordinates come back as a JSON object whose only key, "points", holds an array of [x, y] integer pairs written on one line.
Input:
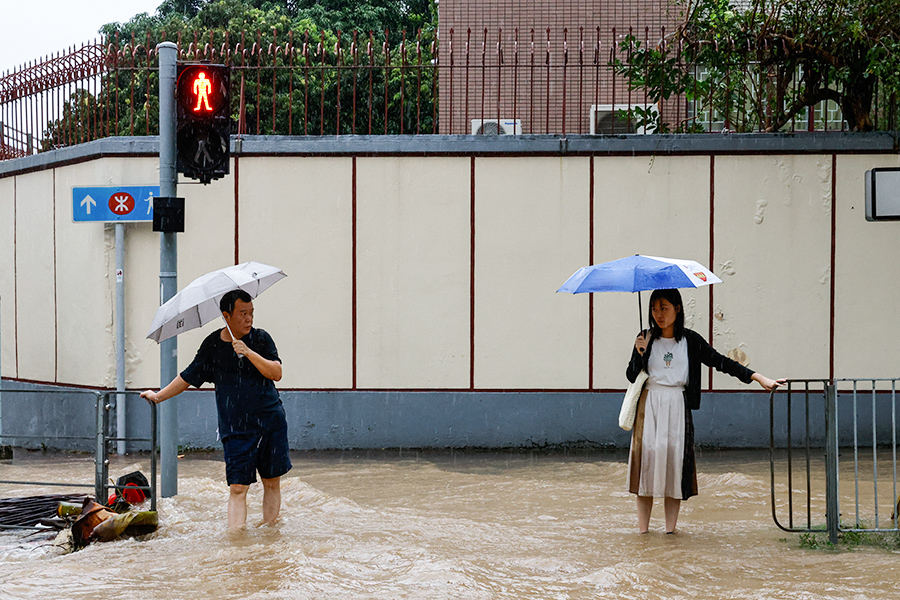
{"points": [[534, 82], [853, 485]]}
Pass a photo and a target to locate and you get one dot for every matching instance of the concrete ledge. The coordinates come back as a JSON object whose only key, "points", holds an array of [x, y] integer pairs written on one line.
{"points": [[476, 145]]}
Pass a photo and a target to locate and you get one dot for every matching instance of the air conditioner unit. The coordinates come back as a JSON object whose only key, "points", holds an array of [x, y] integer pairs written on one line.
{"points": [[607, 119], [495, 127]]}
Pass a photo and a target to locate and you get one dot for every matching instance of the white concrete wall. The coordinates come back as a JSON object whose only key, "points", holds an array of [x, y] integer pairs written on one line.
{"points": [[867, 268], [531, 227], [768, 217], [413, 272], [36, 290], [657, 206], [297, 214], [7, 278], [772, 251]]}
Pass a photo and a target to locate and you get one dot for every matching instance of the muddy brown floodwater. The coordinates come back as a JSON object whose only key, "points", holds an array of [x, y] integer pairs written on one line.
{"points": [[443, 525]]}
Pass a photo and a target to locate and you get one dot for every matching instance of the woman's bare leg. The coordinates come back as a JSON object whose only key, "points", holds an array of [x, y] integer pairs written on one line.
{"points": [[673, 505], [644, 508]]}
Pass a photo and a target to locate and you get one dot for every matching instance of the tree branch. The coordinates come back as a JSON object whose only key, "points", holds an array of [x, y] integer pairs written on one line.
{"points": [[808, 98]]}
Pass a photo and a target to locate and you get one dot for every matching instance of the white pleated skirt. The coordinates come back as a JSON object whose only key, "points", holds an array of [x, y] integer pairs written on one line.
{"points": [[656, 460]]}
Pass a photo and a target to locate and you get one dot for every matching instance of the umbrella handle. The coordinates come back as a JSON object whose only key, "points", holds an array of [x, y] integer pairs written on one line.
{"points": [[640, 313], [229, 333]]}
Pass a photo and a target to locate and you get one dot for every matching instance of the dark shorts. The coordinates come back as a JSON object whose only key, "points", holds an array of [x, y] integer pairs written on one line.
{"points": [[266, 453]]}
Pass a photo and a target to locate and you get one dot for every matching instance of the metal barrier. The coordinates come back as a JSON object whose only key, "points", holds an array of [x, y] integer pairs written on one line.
{"points": [[810, 390], [870, 400], [840, 413], [104, 404]]}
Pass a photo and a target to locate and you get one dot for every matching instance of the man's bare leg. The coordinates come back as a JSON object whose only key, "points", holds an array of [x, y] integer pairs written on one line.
{"points": [[271, 499], [237, 506]]}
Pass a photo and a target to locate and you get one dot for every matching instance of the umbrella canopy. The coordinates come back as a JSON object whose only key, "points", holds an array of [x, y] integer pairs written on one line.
{"points": [[639, 273], [198, 303]]}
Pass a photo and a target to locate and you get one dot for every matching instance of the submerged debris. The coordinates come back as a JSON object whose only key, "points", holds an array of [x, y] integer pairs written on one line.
{"points": [[33, 511], [99, 524], [79, 518]]}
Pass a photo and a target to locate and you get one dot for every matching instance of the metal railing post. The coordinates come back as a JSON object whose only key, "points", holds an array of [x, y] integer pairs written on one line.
{"points": [[154, 453], [101, 459], [832, 503]]}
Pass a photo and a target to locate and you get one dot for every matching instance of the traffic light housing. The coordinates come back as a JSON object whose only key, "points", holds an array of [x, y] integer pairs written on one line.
{"points": [[203, 104]]}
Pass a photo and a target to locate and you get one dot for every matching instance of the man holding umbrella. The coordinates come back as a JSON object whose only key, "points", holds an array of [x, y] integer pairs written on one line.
{"points": [[243, 364]]}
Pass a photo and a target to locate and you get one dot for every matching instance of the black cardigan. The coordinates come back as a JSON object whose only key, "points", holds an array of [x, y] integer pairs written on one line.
{"points": [[699, 351]]}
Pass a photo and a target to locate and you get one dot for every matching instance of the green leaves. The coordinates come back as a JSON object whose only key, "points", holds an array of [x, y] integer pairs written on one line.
{"points": [[763, 65], [295, 67]]}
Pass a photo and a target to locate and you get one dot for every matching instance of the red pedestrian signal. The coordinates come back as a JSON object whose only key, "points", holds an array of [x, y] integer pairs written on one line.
{"points": [[204, 120], [201, 89]]}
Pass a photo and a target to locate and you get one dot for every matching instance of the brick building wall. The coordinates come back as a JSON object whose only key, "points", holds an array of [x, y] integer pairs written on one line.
{"points": [[543, 63]]}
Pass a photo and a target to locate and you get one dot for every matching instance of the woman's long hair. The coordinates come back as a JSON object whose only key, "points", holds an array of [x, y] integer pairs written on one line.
{"points": [[674, 298]]}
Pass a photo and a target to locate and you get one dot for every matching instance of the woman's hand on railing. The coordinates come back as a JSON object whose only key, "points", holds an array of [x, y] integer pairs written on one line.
{"points": [[768, 384]]}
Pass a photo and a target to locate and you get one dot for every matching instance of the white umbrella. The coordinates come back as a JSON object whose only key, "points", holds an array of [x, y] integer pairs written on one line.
{"points": [[198, 303]]}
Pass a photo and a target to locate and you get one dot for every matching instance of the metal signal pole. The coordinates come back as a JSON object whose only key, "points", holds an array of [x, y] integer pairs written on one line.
{"points": [[168, 267]]}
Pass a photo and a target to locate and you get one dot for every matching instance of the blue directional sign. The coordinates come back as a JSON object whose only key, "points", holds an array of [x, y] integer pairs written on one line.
{"points": [[114, 204]]}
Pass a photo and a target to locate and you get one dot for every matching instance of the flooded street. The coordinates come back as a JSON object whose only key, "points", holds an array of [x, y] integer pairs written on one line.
{"points": [[444, 525]]}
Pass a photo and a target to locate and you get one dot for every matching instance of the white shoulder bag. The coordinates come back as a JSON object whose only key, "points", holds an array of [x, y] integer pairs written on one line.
{"points": [[630, 402]]}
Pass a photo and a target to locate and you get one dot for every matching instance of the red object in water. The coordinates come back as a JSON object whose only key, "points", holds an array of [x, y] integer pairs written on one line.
{"points": [[133, 495]]}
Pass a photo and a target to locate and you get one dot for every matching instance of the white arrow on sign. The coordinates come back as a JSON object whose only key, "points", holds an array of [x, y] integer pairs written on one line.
{"points": [[88, 202]]}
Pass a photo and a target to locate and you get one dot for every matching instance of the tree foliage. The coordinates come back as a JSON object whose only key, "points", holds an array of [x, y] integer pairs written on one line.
{"points": [[294, 68], [760, 64]]}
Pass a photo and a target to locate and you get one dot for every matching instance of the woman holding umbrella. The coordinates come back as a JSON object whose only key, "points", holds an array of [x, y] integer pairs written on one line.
{"points": [[661, 462]]}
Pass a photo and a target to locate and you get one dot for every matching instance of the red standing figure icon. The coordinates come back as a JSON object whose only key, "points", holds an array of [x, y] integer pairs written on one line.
{"points": [[202, 88]]}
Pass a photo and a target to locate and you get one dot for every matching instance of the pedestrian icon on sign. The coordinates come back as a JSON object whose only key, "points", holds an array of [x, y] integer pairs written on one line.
{"points": [[202, 88]]}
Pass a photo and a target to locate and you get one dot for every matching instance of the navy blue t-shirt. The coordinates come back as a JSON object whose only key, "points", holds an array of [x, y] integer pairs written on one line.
{"points": [[247, 402]]}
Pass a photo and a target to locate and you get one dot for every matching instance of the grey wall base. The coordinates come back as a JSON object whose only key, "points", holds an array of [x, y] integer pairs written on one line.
{"points": [[319, 420]]}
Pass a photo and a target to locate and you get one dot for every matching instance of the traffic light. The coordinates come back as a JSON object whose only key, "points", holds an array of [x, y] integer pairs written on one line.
{"points": [[202, 95]]}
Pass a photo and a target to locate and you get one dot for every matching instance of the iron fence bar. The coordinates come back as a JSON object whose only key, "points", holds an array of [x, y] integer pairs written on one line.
{"points": [[101, 460], [856, 451], [44, 437], [772, 459], [154, 455], [894, 446], [789, 404], [876, 509], [874, 455], [48, 483], [832, 487], [808, 460], [790, 456], [837, 453]]}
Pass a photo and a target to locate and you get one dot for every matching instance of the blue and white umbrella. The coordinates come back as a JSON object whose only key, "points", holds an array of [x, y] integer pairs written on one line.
{"points": [[639, 273]]}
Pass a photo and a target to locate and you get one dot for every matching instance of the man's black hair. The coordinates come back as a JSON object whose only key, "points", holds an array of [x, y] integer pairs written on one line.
{"points": [[226, 304]]}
